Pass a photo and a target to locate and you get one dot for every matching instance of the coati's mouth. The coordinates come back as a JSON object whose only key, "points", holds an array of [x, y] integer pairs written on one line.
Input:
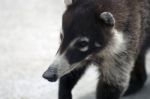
{"points": [[52, 74]]}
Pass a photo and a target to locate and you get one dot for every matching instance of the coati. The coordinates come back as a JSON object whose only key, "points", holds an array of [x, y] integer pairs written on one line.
{"points": [[114, 35]]}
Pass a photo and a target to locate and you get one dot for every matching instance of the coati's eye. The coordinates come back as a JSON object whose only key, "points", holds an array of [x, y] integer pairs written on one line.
{"points": [[82, 44]]}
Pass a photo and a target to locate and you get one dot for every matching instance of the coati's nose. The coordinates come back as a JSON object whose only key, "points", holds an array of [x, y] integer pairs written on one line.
{"points": [[51, 74]]}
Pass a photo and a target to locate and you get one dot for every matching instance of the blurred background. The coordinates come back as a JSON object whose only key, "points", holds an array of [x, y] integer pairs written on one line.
{"points": [[29, 38]]}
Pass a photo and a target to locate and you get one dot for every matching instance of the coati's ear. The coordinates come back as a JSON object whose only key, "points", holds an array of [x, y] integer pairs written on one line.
{"points": [[68, 2], [107, 18]]}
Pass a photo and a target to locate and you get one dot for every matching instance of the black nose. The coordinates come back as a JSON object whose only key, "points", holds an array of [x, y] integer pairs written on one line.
{"points": [[51, 74]]}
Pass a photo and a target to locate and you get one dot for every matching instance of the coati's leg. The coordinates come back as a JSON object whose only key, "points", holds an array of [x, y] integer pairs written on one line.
{"points": [[68, 81], [113, 83], [108, 91], [138, 75]]}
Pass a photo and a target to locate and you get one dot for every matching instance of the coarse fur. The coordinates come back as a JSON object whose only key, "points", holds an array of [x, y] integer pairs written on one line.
{"points": [[114, 35]]}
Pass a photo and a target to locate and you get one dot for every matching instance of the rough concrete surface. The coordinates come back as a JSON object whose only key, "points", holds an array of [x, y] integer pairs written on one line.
{"points": [[29, 38]]}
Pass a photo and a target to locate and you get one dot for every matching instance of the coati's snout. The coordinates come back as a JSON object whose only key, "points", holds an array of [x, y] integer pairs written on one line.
{"points": [[51, 74], [58, 68]]}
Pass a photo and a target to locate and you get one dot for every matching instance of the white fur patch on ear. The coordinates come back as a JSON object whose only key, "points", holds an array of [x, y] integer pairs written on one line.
{"points": [[108, 18], [84, 49], [68, 2]]}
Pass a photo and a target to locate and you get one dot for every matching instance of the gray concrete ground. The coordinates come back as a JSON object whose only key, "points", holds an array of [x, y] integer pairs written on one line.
{"points": [[29, 37]]}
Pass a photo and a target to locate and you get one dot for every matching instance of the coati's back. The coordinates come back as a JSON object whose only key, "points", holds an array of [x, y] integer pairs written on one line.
{"points": [[148, 28], [146, 44]]}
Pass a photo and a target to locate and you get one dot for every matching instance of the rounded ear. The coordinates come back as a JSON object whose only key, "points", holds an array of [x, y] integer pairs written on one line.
{"points": [[107, 18], [68, 2]]}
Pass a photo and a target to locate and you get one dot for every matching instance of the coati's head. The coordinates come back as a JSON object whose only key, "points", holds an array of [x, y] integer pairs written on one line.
{"points": [[85, 31]]}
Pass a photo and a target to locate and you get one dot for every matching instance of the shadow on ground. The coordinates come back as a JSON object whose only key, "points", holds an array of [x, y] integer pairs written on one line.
{"points": [[143, 94]]}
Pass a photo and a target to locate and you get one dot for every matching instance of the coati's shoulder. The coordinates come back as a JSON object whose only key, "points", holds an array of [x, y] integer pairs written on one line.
{"points": [[125, 12]]}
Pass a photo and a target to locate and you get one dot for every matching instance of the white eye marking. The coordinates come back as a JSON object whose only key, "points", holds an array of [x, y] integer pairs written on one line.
{"points": [[97, 44], [68, 2], [84, 49], [84, 39]]}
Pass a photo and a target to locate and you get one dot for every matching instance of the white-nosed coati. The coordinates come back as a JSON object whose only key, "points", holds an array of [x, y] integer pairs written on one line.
{"points": [[112, 34]]}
